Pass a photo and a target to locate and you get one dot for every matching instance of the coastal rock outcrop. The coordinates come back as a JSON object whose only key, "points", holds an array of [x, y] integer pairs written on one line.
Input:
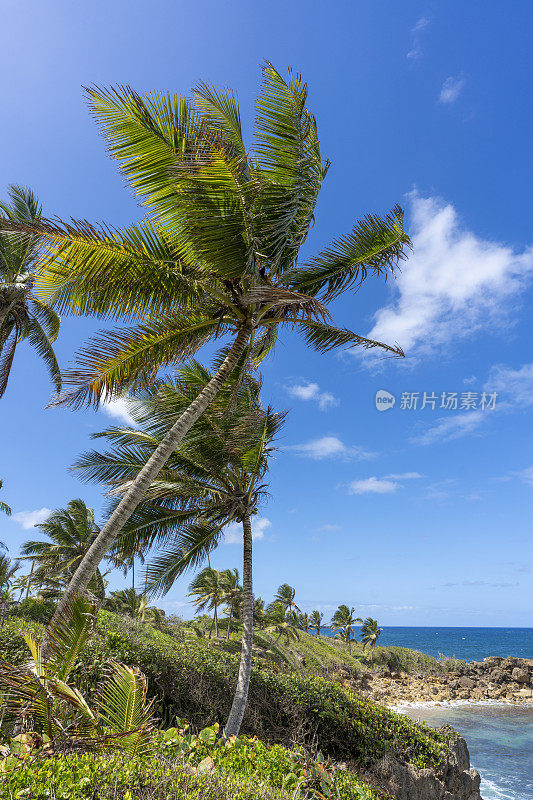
{"points": [[455, 781]]}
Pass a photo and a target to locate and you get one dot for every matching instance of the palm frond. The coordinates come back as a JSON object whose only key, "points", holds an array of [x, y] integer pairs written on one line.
{"points": [[375, 246], [326, 337], [124, 710], [41, 343], [68, 634]]}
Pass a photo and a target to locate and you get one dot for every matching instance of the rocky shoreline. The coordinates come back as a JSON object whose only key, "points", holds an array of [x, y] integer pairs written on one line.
{"points": [[507, 680]]}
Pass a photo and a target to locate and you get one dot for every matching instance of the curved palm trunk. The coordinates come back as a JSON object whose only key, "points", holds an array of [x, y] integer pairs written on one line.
{"points": [[233, 725], [229, 622], [215, 620], [137, 490]]}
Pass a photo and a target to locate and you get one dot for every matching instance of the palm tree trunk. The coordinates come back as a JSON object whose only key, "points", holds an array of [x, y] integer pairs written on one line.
{"points": [[233, 725], [229, 622], [136, 492], [215, 620]]}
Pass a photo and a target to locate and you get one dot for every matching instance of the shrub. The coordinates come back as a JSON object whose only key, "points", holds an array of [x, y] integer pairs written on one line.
{"points": [[34, 610]]}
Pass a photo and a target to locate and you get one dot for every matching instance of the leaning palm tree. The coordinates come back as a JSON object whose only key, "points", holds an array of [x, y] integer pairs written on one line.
{"points": [[8, 570], [23, 315], [343, 622], [214, 478], [370, 634], [208, 589], [129, 603], [285, 595], [217, 254], [70, 533], [315, 621], [303, 621]]}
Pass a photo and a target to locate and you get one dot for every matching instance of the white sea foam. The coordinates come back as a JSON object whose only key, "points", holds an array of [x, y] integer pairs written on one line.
{"points": [[400, 707]]}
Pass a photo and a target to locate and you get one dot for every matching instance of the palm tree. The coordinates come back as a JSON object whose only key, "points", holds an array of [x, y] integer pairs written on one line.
{"points": [[6, 509], [280, 623], [285, 595], [8, 569], [212, 479], [315, 621], [260, 616], [233, 595], [23, 315], [128, 602], [303, 621], [370, 634], [70, 533], [216, 255], [343, 622], [208, 589]]}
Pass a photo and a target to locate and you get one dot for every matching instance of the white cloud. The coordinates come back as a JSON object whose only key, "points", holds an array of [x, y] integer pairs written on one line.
{"points": [[416, 49], [311, 391], [403, 476], [526, 475], [448, 428], [373, 485], [28, 519], [329, 527], [328, 447], [515, 386], [118, 409], [451, 89], [454, 284], [233, 532]]}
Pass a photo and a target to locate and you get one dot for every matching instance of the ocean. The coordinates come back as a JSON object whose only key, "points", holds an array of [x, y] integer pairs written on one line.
{"points": [[499, 737], [470, 644]]}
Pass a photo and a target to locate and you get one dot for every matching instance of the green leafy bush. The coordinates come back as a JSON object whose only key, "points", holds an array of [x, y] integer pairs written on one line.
{"points": [[194, 680], [34, 610]]}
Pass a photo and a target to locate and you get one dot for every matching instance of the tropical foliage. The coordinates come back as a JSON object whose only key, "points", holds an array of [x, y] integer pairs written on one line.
{"points": [[370, 634], [343, 623]]}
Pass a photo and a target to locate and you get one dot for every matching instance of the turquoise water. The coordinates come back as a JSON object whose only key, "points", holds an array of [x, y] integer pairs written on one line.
{"points": [[500, 740], [470, 644]]}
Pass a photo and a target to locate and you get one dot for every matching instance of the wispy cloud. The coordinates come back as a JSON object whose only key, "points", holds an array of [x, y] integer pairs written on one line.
{"points": [[526, 475], [328, 447], [514, 386], [311, 391], [386, 485], [373, 485], [329, 527], [446, 429], [451, 89], [28, 519], [233, 532], [416, 42], [454, 285], [483, 583], [119, 410]]}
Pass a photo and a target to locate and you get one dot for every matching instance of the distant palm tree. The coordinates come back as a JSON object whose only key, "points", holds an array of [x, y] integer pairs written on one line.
{"points": [[343, 622], [280, 623], [6, 509], [315, 621], [128, 602], [370, 634], [285, 595], [232, 596], [259, 612], [23, 315], [70, 531], [8, 569], [208, 589], [303, 621]]}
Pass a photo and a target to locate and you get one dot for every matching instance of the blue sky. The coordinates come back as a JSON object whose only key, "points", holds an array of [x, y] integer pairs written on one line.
{"points": [[414, 516]]}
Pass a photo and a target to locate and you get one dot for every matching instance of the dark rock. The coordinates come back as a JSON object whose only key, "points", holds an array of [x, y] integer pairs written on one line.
{"points": [[520, 675], [466, 683]]}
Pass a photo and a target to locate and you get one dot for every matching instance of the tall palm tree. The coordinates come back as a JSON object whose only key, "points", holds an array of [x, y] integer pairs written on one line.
{"points": [[6, 509], [259, 612], [208, 589], [8, 570], [214, 478], [315, 621], [303, 621], [217, 254], [70, 533], [285, 595], [370, 634], [23, 315], [343, 622]]}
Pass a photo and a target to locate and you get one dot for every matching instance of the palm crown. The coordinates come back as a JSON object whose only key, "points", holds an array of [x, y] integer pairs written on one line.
{"points": [[218, 250], [213, 478], [23, 315]]}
